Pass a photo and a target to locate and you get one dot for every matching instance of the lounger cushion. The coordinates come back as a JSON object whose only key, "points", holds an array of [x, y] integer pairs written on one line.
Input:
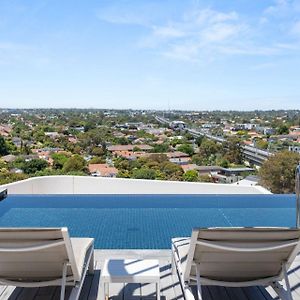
{"points": [[80, 247], [244, 234], [237, 266], [41, 264]]}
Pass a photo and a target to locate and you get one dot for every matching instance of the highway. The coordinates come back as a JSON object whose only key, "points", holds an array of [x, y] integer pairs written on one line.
{"points": [[252, 154]]}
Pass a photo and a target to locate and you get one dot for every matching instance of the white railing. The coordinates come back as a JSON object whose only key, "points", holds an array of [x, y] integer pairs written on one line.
{"points": [[101, 185]]}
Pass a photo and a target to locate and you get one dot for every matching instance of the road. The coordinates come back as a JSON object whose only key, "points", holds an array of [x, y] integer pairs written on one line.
{"points": [[253, 154]]}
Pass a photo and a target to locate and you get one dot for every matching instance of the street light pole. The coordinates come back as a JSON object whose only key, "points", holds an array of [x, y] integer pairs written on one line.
{"points": [[297, 190]]}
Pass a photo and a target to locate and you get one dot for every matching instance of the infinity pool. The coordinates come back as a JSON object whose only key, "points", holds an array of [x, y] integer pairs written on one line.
{"points": [[144, 221]]}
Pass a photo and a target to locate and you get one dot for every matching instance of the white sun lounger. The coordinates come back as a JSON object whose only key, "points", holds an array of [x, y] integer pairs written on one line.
{"points": [[37, 257], [236, 257]]}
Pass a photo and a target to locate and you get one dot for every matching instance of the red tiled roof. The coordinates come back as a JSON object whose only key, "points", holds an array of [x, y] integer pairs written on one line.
{"points": [[103, 169], [128, 147], [176, 154]]}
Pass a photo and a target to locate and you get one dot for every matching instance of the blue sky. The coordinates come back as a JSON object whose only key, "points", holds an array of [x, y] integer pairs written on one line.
{"points": [[154, 54]]}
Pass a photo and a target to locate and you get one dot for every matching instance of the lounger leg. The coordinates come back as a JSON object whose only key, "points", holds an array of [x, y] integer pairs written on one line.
{"points": [[75, 293], [91, 264], [278, 288], [63, 282], [106, 290], [173, 264], [287, 282], [199, 290], [157, 291]]}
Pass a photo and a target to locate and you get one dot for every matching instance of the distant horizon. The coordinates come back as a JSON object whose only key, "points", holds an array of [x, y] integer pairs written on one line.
{"points": [[144, 109]]}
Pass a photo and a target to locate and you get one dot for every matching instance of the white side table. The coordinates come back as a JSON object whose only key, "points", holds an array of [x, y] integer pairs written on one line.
{"points": [[130, 271]]}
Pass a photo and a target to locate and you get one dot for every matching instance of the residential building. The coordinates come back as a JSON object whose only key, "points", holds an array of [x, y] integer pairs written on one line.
{"points": [[103, 170]]}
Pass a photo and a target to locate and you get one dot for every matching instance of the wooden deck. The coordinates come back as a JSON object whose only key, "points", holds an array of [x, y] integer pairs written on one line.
{"points": [[170, 286]]}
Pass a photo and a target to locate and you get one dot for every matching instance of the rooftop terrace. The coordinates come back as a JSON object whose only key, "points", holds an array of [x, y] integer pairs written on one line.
{"points": [[170, 285]]}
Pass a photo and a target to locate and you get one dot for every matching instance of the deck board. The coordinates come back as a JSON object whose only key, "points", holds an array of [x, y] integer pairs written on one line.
{"points": [[170, 285], [86, 287], [45, 293], [27, 293], [132, 291], [236, 294], [218, 293], [94, 293]]}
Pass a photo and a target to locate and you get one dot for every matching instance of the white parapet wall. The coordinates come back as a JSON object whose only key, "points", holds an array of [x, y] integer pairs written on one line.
{"points": [[101, 185]]}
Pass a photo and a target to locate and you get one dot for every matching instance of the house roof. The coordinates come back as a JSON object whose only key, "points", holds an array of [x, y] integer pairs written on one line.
{"points": [[189, 167], [176, 154], [103, 169], [8, 158], [128, 147], [130, 154]]}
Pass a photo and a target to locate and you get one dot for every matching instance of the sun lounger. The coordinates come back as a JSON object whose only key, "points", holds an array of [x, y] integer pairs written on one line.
{"points": [[236, 257], [37, 257]]}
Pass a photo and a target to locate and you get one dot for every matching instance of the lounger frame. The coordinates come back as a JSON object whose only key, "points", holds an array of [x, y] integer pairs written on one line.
{"points": [[198, 280], [76, 280]]}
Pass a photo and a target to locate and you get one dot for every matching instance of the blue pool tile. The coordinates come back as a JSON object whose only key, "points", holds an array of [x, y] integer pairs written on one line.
{"points": [[144, 221]]}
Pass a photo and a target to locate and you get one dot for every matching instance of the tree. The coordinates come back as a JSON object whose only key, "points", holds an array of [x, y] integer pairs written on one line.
{"points": [[3, 146], [136, 149], [278, 172], [233, 150], [171, 170], [186, 148], [205, 178], [159, 158], [199, 140], [34, 165], [89, 125], [123, 141], [160, 148], [283, 129], [208, 148], [222, 162], [188, 136], [59, 160], [74, 163], [199, 159], [6, 177], [97, 160], [262, 144], [98, 151], [191, 175], [144, 173], [3, 165]]}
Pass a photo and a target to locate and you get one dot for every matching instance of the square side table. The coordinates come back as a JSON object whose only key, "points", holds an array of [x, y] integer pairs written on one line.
{"points": [[130, 271]]}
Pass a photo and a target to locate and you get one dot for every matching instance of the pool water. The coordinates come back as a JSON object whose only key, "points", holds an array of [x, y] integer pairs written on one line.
{"points": [[144, 221]]}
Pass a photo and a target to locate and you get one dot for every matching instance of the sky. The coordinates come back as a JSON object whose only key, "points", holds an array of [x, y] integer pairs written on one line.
{"points": [[150, 54]]}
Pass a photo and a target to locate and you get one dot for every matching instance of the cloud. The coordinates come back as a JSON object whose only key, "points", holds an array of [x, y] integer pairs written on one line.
{"points": [[124, 18], [205, 34], [283, 17], [209, 16], [168, 32], [201, 30], [135, 13], [220, 32], [184, 52], [279, 9]]}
